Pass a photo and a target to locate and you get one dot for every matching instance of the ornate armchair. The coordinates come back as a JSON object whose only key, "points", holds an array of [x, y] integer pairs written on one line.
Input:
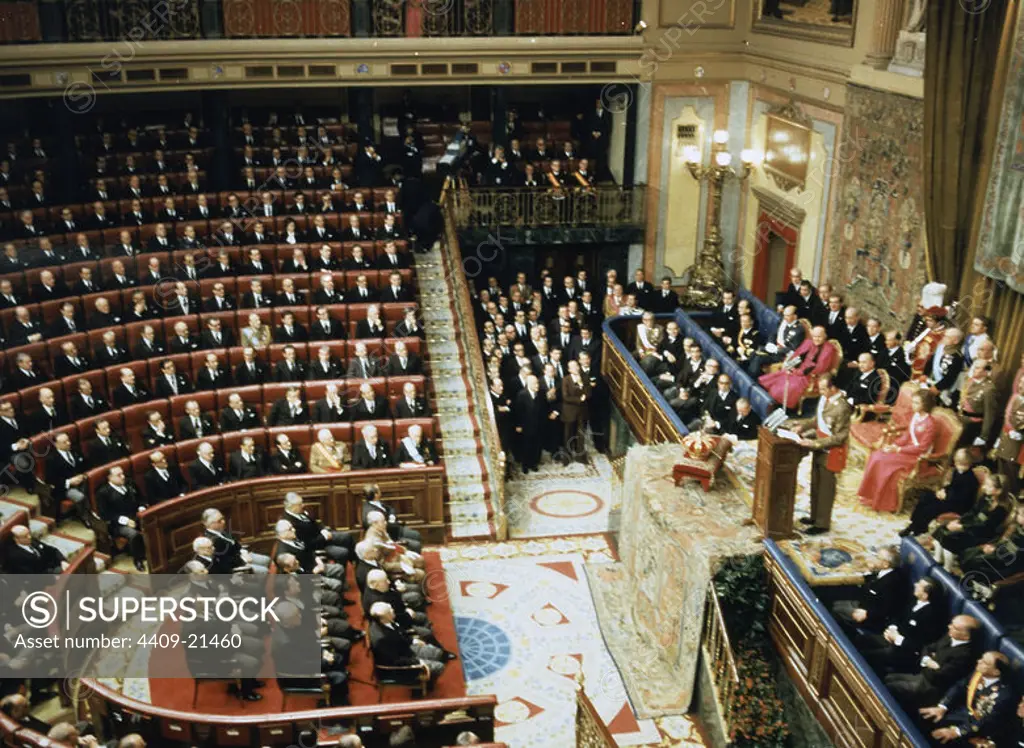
{"points": [[866, 436]]}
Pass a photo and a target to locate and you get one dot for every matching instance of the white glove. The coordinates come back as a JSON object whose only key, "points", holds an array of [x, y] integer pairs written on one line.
{"points": [[772, 348], [1016, 435], [979, 442]]}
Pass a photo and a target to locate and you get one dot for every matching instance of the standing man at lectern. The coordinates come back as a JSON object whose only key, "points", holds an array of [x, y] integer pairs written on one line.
{"points": [[826, 434]]}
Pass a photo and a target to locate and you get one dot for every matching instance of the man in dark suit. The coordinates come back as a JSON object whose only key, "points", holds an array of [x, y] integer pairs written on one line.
{"points": [[289, 369], [49, 288], [852, 336], [395, 292], [156, 433], [218, 301], [370, 453], [833, 318], [128, 391], [879, 595], [325, 327], [410, 327], [919, 623], [290, 331], [314, 535], [118, 504], [726, 321], [85, 403], [289, 410], [230, 554], [362, 365], [402, 362], [216, 336], [330, 408], [865, 384], [942, 664], [251, 370], [171, 382], [247, 462], [369, 406], [286, 460], [65, 473], [28, 555], [530, 417], [641, 289], [162, 483], [211, 376], [410, 405], [69, 361], [237, 416], [51, 415], [205, 471], [980, 705], [745, 426], [327, 293], [256, 297], [718, 409], [194, 424], [289, 295], [664, 300], [394, 647], [107, 446], [787, 339], [895, 362], [149, 346], [372, 502], [325, 365], [361, 293], [391, 258]]}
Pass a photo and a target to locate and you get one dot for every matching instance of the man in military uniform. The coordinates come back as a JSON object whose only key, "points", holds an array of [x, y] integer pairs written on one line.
{"points": [[977, 407], [826, 434], [1010, 446]]}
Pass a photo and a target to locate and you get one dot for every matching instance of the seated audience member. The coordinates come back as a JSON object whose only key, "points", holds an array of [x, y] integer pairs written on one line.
{"points": [[338, 546], [211, 376], [361, 293], [745, 425], [289, 410], [108, 352], [107, 446], [219, 301], [864, 387], [718, 408], [332, 574], [977, 526], [327, 455], [256, 334], [745, 342], [128, 391], [726, 320], [977, 706], [788, 338], [899, 644], [362, 366], [149, 346], [614, 301], [398, 532], [290, 331], [370, 453], [403, 363], [17, 707], [391, 258], [118, 503], [24, 374], [395, 292], [171, 382], [800, 368], [986, 564], [689, 399], [156, 433], [370, 405], [325, 327], [50, 415], [372, 326], [414, 450], [878, 596], [381, 589], [182, 341], [394, 648], [85, 403], [289, 369], [665, 300], [409, 327], [162, 483], [957, 496], [357, 260], [205, 471], [251, 370], [246, 462], [230, 554], [28, 555], [331, 407], [237, 416], [410, 405], [648, 341], [286, 460], [326, 294]]}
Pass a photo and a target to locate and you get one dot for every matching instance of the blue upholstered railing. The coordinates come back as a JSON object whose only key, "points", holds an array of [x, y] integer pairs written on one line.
{"points": [[906, 725]]}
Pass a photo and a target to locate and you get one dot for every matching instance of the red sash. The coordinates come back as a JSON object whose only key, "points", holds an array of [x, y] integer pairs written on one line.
{"points": [[836, 461]]}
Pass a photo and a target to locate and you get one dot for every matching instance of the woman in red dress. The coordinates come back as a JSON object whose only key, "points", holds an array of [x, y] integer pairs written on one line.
{"points": [[879, 488], [813, 357]]}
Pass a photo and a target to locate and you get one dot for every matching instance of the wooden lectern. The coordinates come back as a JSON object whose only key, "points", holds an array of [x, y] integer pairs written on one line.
{"points": [[775, 484]]}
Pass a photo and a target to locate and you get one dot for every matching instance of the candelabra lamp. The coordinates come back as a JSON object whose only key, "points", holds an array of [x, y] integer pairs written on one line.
{"points": [[707, 275]]}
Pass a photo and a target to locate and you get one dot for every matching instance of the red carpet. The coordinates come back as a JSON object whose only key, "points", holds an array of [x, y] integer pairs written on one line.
{"points": [[213, 697]]}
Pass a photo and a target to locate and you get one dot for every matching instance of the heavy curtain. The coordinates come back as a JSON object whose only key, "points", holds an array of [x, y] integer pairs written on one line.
{"points": [[965, 78], [965, 66]]}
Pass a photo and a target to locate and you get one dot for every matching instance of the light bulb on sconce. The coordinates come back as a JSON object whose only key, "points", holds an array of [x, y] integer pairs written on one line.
{"points": [[721, 137], [723, 158], [691, 154], [748, 156]]}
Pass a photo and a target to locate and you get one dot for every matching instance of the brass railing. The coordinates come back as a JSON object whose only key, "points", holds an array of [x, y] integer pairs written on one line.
{"points": [[541, 208], [718, 655], [455, 268], [591, 731]]}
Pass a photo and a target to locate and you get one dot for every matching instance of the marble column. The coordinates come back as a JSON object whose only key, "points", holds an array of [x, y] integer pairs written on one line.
{"points": [[887, 24]]}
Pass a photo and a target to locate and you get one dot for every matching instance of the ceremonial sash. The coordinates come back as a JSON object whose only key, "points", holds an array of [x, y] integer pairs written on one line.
{"points": [[836, 461], [972, 686]]}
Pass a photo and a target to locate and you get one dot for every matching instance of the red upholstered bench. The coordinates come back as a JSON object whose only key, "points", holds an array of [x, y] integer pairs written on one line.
{"points": [[701, 462]]}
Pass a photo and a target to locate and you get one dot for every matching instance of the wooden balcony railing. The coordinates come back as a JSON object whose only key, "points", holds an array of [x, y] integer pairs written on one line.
{"points": [[26, 21], [520, 207], [718, 655]]}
